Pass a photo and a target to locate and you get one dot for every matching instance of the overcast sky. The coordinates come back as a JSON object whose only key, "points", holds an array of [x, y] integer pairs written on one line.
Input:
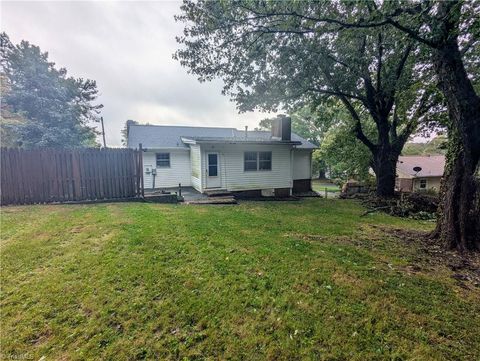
{"points": [[127, 48]]}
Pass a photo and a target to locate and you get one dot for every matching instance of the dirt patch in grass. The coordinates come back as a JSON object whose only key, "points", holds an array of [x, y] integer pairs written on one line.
{"points": [[465, 267], [427, 256]]}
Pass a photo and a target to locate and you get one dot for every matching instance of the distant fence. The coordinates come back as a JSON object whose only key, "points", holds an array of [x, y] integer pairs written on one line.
{"points": [[62, 175]]}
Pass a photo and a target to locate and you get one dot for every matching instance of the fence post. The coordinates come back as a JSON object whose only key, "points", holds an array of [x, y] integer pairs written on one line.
{"points": [[326, 194], [77, 187]]}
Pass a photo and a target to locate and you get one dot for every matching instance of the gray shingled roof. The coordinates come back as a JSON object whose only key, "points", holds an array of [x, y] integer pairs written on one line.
{"points": [[165, 136]]}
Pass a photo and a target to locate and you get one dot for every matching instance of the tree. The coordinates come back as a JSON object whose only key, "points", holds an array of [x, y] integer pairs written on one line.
{"points": [[437, 145], [124, 131], [450, 30], [344, 154], [8, 119], [56, 110], [277, 54]]}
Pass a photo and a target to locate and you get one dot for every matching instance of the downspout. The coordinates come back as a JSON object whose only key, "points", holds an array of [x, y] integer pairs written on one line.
{"points": [[311, 169], [224, 170], [291, 169]]}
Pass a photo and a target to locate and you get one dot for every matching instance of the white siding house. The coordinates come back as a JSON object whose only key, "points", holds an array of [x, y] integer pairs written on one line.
{"points": [[178, 171], [232, 175], [224, 158], [302, 164]]}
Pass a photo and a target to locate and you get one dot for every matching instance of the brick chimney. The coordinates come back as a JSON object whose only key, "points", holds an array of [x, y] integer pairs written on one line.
{"points": [[282, 128]]}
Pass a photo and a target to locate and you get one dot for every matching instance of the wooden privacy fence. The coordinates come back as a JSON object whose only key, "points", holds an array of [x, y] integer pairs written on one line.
{"points": [[62, 175]]}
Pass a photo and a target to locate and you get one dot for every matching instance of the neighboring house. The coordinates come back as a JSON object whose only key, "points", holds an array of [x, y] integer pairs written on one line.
{"points": [[276, 162], [419, 173]]}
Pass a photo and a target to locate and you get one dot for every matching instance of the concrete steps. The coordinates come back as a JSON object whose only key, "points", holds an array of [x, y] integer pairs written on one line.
{"points": [[217, 193]]}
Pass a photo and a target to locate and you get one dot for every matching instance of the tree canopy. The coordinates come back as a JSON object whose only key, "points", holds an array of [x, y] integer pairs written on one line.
{"points": [[387, 59], [52, 109], [275, 55]]}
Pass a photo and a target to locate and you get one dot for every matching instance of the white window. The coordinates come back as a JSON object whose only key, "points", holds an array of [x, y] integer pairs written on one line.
{"points": [[423, 184], [265, 160], [255, 161], [250, 161], [163, 160]]}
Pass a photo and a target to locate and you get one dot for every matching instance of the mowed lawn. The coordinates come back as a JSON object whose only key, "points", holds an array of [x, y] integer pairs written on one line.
{"points": [[309, 280]]}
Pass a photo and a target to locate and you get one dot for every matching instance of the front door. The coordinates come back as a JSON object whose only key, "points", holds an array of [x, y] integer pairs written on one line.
{"points": [[213, 171]]}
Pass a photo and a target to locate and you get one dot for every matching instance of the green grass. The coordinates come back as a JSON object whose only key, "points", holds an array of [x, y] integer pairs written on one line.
{"points": [[319, 186], [309, 280]]}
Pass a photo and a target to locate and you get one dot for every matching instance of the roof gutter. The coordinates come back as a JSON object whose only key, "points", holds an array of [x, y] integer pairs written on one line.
{"points": [[214, 141]]}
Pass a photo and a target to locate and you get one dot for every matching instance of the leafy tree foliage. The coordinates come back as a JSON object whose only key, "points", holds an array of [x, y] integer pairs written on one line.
{"points": [[271, 37], [345, 156], [282, 55], [8, 119], [55, 110], [124, 131], [437, 145], [451, 32]]}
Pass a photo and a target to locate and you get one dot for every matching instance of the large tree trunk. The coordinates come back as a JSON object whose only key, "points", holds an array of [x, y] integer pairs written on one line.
{"points": [[384, 166], [458, 223]]}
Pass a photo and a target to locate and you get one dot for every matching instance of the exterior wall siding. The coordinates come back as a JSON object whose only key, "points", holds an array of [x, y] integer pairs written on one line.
{"points": [[302, 164], [432, 183], [413, 184], [233, 176], [403, 184], [178, 172]]}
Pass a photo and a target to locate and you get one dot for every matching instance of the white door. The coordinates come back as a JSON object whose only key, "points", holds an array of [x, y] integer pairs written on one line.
{"points": [[213, 171]]}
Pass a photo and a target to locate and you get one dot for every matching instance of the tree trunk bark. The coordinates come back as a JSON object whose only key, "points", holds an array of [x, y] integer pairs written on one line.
{"points": [[458, 224], [384, 165]]}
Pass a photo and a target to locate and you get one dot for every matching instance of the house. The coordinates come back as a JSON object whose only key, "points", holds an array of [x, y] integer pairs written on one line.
{"points": [[419, 173], [268, 162]]}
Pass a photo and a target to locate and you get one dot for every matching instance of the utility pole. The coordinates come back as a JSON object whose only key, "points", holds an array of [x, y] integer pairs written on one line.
{"points": [[103, 133]]}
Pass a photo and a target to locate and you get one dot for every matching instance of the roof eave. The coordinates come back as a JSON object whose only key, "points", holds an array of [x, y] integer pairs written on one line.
{"points": [[229, 141]]}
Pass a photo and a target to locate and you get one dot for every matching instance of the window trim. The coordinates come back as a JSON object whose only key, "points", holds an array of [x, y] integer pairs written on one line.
{"points": [[257, 161], [269, 160], [245, 161], [162, 166]]}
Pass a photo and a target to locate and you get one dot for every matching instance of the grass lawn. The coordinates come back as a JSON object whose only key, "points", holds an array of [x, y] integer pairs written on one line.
{"points": [[319, 186], [282, 281]]}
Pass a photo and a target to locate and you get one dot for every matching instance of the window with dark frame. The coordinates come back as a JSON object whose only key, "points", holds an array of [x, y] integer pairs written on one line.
{"points": [[163, 160], [250, 161], [264, 160], [256, 161]]}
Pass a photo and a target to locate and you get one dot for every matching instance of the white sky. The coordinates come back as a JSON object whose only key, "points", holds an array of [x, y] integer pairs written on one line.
{"points": [[127, 48]]}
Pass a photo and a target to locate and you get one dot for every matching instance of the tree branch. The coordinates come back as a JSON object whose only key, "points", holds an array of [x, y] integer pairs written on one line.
{"points": [[358, 126], [379, 61], [337, 93], [388, 20]]}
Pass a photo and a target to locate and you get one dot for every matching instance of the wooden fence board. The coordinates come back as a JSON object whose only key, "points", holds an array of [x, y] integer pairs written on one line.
{"points": [[59, 175]]}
